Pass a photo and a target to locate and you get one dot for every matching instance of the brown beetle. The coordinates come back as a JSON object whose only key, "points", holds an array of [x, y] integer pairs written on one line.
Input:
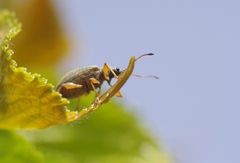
{"points": [[81, 81]]}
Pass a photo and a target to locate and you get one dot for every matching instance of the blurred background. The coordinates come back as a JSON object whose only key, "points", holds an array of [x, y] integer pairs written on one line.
{"points": [[189, 108]]}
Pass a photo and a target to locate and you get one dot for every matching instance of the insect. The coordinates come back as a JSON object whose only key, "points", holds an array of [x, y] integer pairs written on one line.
{"points": [[82, 81]]}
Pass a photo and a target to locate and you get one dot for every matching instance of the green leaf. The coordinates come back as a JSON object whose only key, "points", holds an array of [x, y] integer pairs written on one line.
{"points": [[15, 149], [110, 135]]}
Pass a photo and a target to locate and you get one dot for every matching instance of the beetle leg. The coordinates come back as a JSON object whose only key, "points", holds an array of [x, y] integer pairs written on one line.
{"points": [[78, 104], [92, 82], [118, 94], [106, 69], [71, 85], [99, 90]]}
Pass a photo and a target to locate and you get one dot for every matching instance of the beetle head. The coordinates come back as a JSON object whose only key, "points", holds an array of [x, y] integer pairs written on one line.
{"points": [[117, 71]]}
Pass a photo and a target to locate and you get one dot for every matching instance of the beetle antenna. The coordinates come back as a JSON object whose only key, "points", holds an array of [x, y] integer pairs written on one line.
{"points": [[148, 54], [146, 76]]}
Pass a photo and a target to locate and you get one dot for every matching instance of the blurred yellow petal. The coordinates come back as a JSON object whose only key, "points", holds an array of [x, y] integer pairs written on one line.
{"points": [[42, 32]]}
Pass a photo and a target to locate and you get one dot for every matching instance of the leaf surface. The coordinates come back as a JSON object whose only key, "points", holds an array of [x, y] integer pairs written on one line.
{"points": [[26, 100], [14, 149]]}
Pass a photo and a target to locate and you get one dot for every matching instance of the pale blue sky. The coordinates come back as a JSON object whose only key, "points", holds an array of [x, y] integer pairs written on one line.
{"points": [[194, 107]]}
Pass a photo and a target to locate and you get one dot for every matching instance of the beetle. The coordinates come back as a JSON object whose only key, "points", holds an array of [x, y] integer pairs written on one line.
{"points": [[82, 81]]}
